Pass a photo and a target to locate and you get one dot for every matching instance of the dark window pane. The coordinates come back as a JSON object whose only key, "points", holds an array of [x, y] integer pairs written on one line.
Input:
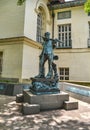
{"points": [[65, 35], [66, 78], [62, 28], [64, 73], [89, 14], [61, 78], [1, 62]]}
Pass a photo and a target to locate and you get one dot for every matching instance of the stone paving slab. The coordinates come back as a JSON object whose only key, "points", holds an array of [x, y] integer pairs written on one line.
{"points": [[12, 119]]}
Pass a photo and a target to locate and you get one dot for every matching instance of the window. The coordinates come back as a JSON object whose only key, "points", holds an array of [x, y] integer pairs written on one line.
{"points": [[1, 61], [64, 73], [64, 35], [89, 35], [89, 14], [89, 29], [41, 25], [64, 15]]}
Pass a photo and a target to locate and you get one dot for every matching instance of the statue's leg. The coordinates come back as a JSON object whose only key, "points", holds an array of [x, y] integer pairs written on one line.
{"points": [[50, 69], [55, 70], [41, 67]]}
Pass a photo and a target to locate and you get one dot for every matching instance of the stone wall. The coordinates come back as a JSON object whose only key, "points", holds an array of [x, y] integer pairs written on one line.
{"points": [[77, 91]]}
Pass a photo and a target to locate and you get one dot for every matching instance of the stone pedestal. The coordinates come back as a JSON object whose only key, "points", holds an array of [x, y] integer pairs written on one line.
{"points": [[29, 109], [46, 101], [70, 105], [19, 98]]}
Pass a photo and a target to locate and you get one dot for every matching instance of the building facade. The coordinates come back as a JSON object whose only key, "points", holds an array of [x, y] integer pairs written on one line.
{"points": [[21, 28]]}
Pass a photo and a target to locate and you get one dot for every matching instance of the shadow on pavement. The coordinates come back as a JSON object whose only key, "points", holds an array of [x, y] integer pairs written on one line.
{"points": [[12, 119]]}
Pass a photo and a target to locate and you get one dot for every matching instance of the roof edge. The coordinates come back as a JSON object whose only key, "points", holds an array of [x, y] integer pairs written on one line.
{"points": [[66, 4]]}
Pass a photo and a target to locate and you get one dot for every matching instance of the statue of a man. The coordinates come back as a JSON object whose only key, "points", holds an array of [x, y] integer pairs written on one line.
{"points": [[47, 54]]}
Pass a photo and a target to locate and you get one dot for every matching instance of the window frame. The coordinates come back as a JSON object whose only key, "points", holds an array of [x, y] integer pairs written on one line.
{"points": [[39, 27], [63, 74], [41, 24], [1, 62], [64, 15], [64, 35], [88, 40]]}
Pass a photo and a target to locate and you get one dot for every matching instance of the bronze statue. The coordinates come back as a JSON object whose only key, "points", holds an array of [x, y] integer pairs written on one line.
{"points": [[47, 54], [48, 84]]}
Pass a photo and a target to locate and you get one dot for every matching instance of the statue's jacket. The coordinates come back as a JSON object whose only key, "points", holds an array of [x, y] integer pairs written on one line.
{"points": [[48, 47]]}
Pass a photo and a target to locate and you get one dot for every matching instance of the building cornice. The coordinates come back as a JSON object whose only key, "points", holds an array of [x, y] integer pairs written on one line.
{"points": [[10, 40], [69, 4], [32, 43], [20, 40], [73, 50]]}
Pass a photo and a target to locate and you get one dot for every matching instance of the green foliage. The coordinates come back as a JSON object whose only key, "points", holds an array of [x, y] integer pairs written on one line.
{"points": [[87, 6], [20, 2]]}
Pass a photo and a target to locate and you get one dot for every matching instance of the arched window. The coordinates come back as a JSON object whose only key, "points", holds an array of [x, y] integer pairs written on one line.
{"points": [[39, 27], [41, 24]]}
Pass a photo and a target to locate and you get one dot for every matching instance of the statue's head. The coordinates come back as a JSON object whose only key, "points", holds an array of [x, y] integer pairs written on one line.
{"points": [[47, 35]]}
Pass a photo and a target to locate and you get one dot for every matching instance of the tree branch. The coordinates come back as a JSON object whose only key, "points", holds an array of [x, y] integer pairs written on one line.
{"points": [[20, 2]]}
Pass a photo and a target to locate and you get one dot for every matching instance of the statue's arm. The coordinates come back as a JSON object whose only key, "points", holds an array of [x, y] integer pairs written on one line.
{"points": [[54, 42], [57, 40]]}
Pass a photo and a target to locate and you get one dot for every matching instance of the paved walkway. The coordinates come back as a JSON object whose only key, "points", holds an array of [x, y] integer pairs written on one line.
{"points": [[12, 119]]}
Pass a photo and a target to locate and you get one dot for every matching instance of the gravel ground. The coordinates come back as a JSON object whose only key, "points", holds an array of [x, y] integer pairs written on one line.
{"points": [[12, 119]]}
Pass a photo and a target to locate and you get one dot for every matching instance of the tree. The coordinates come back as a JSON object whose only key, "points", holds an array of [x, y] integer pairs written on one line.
{"points": [[87, 6], [20, 2]]}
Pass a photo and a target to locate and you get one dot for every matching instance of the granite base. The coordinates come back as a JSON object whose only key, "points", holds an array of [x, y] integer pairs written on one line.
{"points": [[46, 101]]}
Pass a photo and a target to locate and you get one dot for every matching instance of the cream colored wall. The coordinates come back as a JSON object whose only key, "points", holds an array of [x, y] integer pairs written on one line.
{"points": [[21, 20], [31, 12], [30, 64], [59, 22], [30, 19], [79, 23], [80, 28], [11, 19], [77, 60], [12, 60], [22, 61]]}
